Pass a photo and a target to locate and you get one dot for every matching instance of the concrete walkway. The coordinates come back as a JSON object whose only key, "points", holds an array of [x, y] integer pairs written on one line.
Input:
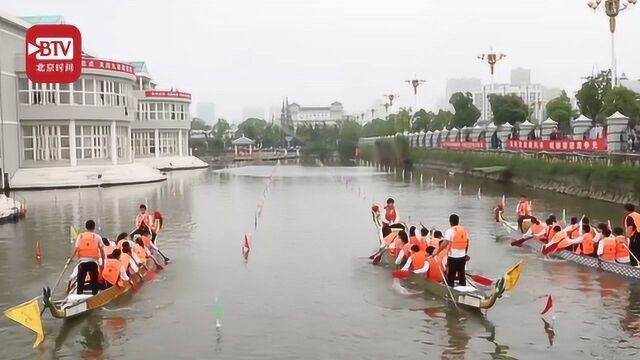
{"points": [[84, 176]]}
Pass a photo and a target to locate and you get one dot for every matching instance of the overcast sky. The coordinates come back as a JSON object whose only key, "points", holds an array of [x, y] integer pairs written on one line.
{"points": [[248, 53]]}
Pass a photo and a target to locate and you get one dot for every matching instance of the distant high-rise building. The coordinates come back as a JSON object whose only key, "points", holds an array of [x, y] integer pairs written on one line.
{"points": [[252, 112], [206, 111], [520, 77], [462, 85]]}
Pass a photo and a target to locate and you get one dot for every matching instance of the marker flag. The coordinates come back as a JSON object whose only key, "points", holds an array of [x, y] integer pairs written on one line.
{"points": [[547, 306], [218, 312], [564, 216], [28, 315], [38, 251], [504, 200], [459, 189], [246, 247], [73, 234], [479, 194], [432, 180], [445, 183]]}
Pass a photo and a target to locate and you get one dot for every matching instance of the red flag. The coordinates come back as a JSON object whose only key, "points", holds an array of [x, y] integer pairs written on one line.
{"points": [[245, 245], [38, 251], [548, 306]]}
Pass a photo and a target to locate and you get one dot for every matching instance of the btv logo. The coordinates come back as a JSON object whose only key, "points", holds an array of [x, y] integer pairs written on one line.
{"points": [[53, 53]]}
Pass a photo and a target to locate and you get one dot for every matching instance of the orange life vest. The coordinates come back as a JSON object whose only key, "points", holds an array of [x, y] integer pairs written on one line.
{"points": [[636, 220], [435, 243], [111, 272], [550, 233], [125, 260], [588, 246], [562, 239], [146, 241], [523, 208], [390, 213], [434, 274], [609, 249], [621, 247], [460, 238], [536, 228], [406, 248], [108, 249], [144, 220], [88, 246], [418, 259], [573, 231], [423, 244], [398, 246], [120, 242], [140, 252]]}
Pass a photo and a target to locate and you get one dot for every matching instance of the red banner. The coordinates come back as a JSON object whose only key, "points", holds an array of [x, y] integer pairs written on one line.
{"points": [[588, 145], [92, 63], [469, 145], [167, 94]]}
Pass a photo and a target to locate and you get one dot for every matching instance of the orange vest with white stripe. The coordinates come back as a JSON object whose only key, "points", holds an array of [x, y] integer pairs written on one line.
{"points": [[88, 246], [111, 272], [460, 238]]}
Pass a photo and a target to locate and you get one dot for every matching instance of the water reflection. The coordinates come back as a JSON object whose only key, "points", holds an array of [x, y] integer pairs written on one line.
{"points": [[90, 337]]}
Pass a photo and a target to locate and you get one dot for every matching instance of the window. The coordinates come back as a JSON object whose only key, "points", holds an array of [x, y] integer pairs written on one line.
{"points": [[93, 142], [152, 111], [50, 95], [65, 94], [123, 142], [23, 91], [89, 92], [45, 142], [77, 92], [168, 143], [143, 143]]}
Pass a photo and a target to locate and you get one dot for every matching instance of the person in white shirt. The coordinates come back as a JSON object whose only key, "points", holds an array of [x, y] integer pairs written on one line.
{"points": [[456, 239], [89, 250]]}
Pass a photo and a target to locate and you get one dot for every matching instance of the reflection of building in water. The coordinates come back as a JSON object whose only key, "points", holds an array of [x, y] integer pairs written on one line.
{"points": [[315, 115]]}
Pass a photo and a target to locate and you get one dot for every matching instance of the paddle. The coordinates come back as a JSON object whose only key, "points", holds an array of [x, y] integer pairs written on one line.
{"points": [[520, 241], [378, 258], [401, 274], [66, 265], [158, 266], [629, 250], [550, 248], [447, 286], [481, 279]]}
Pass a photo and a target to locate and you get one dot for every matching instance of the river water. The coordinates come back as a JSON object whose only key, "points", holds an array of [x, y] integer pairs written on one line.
{"points": [[307, 290]]}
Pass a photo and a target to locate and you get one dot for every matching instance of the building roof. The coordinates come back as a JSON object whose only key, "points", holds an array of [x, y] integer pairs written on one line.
{"points": [[52, 19], [139, 66], [243, 140]]}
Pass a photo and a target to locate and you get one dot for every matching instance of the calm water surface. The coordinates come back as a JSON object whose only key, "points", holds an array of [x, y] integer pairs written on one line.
{"points": [[307, 291]]}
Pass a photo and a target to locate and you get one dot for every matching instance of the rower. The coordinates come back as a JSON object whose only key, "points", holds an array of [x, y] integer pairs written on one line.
{"points": [[523, 210], [587, 246], [551, 224], [158, 222], [121, 239], [89, 250], [113, 272], [606, 245], [128, 259], [433, 273], [403, 248], [572, 229], [424, 240], [622, 246], [456, 239], [140, 251], [436, 241], [108, 246], [417, 261], [632, 231], [143, 221], [390, 213], [536, 229]]}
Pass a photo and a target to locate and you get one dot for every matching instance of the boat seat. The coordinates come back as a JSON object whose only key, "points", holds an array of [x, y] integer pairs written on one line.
{"points": [[465, 289]]}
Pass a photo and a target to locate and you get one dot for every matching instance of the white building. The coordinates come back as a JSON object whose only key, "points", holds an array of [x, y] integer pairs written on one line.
{"points": [[112, 115], [532, 95], [311, 116]]}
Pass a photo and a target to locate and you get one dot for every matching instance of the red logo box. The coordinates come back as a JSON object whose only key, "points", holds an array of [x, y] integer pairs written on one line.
{"points": [[53, 53]]}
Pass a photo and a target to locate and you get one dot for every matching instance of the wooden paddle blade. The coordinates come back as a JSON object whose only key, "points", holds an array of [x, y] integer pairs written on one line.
{"points": [[376, 259], [400, 274], [150, 275], [481, 280], [518, 242], [159, 267], [549, 249]]}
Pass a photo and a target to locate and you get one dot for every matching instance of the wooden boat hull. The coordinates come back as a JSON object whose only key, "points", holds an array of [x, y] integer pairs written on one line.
{"points": [[589, 261], [479, 299], [63, 309]]}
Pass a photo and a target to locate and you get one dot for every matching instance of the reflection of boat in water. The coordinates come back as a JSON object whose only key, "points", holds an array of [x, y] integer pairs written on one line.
{"points": [[92, 338]]}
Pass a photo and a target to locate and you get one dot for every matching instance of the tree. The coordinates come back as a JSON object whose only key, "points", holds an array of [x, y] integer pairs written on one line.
{"points": [[592, 94], [422, 120], [441, 120], [466, 113], [378, 127], [349, 133], [253, 129], [199, 124], [624, 101], [560, 110], [401, 121], [220, 132], [508, 109]]}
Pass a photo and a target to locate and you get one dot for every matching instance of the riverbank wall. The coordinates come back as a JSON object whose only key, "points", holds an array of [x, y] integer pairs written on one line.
{"points": [[609, 179]]}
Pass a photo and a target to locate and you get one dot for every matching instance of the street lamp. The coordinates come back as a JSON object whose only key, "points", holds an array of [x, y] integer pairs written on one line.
{"points": [[492, 59], [415, 83], [373, 111], [612, 8], [386, 107], [391, 97]]}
